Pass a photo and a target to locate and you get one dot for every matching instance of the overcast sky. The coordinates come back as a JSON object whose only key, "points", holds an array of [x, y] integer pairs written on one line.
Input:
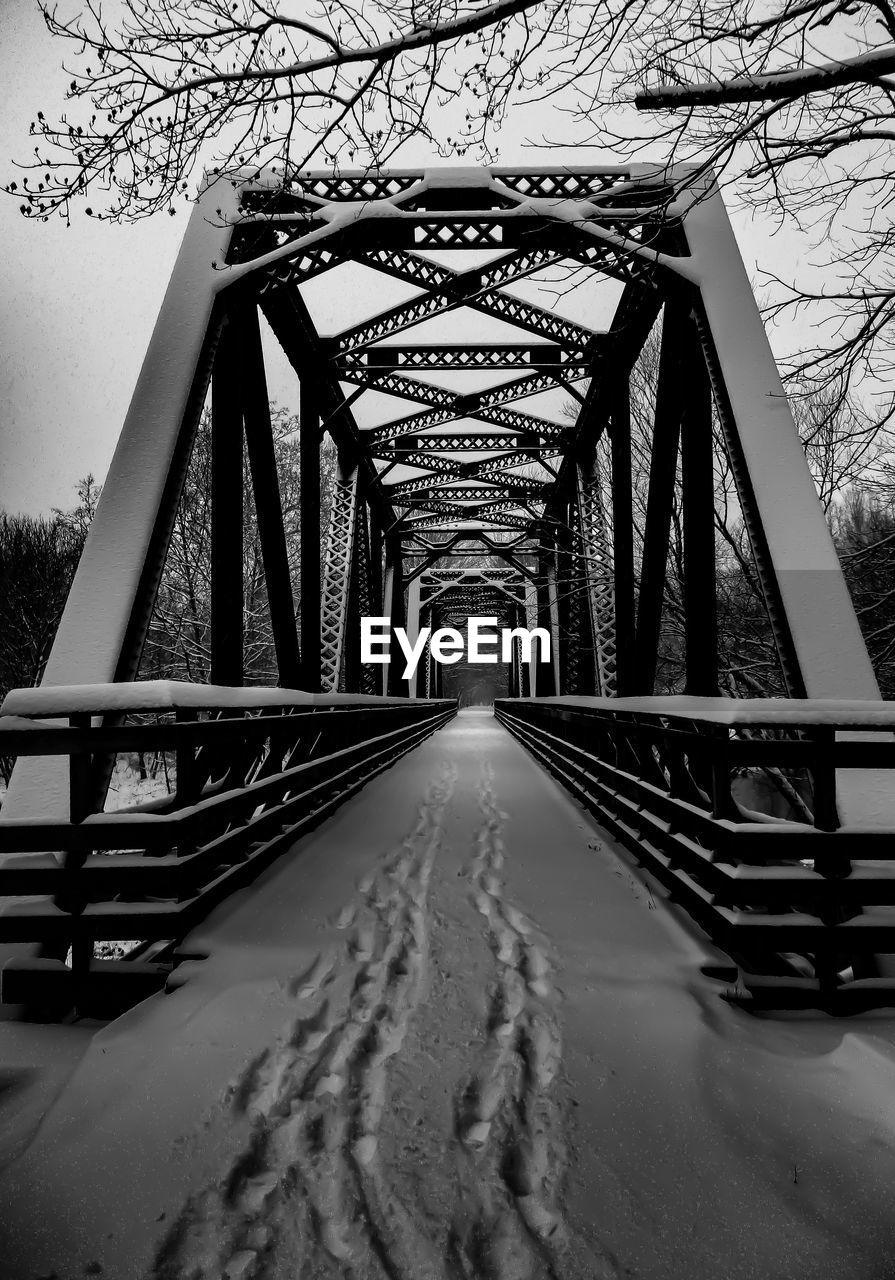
{"points": [[78, 304]]}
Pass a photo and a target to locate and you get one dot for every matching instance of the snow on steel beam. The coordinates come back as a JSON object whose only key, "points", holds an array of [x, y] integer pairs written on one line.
{"points": [[577, 185], [617, 239], [831, 654], [100, 633], [306, 264], [392, 226], [803, 581], [584, 182]]}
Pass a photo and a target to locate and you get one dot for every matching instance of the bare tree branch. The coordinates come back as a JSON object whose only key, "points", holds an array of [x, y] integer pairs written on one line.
{"points": [[868, 68]]}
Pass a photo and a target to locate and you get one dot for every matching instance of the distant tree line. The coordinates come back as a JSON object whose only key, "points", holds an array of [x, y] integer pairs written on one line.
{"points": [[178, 643], [39, 556]]}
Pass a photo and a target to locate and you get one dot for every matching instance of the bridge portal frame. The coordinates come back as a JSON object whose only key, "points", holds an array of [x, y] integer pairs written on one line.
{"points": [[250, 245]]}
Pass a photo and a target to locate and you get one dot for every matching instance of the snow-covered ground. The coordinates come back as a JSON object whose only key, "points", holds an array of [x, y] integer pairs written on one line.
{"points": [[453, 1035]]}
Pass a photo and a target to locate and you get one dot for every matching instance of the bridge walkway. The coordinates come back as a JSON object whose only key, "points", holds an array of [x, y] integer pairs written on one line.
{"points": [[455, 1035]]}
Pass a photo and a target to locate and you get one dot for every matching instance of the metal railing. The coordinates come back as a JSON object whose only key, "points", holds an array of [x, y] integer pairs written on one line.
{"points": [[247, 781], [806, 909]]}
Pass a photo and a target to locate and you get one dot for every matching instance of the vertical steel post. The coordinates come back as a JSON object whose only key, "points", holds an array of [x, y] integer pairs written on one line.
{"points": [[226, 513], [545, 671], [396, 687], [268, 505], [622, 538], [309, 518], [412, 626], [660, 499], [339, 580], [596, 607], [698, 500], [522, 679], [376, 545]]}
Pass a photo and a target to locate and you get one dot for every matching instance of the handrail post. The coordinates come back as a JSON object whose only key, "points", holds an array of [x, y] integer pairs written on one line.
{"points": [[71, 899], [723, 805]]}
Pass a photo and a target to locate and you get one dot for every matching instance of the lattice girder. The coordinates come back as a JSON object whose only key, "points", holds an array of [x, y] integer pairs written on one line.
{"points": [[463, 405], [495, 471], [341, 550], [478, 289], [423, 485], [369, 362], [405, 446], [595, 558], [449, 520], [484, 411]]}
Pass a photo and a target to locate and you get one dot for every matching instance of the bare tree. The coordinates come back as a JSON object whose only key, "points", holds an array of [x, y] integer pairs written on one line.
{"points": [[173, 86], [38, 558], [792, 99], [178, 644], [865, 538]]}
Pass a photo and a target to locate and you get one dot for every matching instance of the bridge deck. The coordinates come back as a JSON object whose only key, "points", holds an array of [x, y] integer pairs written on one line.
{"points": [[458, 1026]]}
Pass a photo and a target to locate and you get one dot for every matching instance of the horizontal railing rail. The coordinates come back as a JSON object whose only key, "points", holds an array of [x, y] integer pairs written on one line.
{"points": [[805, 908], [246, 781]]}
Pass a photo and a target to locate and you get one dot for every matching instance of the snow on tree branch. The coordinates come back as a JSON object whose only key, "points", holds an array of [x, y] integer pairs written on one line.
{"points": [[866, 68], [789, 102], [172, 87]]}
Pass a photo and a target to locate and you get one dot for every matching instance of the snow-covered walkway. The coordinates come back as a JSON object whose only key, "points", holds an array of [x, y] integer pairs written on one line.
{"points": [[454, 1036]]}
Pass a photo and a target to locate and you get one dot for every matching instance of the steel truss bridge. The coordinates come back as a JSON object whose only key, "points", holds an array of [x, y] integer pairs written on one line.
{"points": [[476, 494]]}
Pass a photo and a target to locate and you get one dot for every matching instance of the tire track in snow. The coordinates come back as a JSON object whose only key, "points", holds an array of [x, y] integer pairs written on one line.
{"points": [[508, 1121], [315, 1101]]}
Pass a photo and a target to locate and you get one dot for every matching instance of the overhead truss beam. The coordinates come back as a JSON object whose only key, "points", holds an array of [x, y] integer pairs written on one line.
{"points": [[508, 355]]}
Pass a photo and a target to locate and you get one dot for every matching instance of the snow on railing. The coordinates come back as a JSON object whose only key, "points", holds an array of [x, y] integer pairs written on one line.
{"points": [[251, 770], [806, 905]]}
